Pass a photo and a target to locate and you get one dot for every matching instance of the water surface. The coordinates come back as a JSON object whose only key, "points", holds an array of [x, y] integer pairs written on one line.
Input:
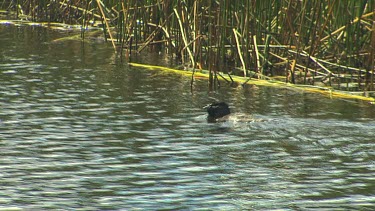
{"points": [[79, 130]]}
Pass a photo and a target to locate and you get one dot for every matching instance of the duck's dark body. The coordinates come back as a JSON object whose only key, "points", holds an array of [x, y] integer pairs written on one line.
{"points": [[217, 111]]}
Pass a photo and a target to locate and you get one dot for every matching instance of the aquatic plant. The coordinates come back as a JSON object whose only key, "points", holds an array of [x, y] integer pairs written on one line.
{"points": [[325, 43]]}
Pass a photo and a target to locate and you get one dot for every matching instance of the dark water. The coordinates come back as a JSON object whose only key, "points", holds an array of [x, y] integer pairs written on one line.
{"points": [[81, 131]]}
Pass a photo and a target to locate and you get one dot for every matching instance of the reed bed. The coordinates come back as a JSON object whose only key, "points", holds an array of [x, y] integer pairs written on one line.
{"points": [[322, 43]]}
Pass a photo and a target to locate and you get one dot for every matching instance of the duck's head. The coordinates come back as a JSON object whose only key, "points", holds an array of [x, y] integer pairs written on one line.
{"points": [[217, 110]]}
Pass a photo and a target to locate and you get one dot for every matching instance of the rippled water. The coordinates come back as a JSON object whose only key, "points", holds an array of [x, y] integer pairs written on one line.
{"points": [[81, 131]]}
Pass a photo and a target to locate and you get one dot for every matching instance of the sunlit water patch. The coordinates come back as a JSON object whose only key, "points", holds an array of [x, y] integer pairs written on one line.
{"points": [[81, 131]]}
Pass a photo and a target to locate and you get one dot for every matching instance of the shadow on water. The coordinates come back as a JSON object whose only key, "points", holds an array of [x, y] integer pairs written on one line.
{"points": [[79, 130]]}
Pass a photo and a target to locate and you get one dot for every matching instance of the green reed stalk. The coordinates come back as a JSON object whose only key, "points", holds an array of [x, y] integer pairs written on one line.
{"points": [[236, 34], [184, 38]]}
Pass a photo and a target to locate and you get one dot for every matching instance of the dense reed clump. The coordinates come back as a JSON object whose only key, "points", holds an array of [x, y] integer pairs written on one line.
{"points": [[311, 42]]}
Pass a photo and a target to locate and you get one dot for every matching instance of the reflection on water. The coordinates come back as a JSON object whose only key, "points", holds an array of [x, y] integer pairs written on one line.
{"points": [[78, 130]]}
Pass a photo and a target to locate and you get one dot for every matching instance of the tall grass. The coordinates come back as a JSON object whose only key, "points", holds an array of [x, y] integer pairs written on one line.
{"points": [[310, 42]]}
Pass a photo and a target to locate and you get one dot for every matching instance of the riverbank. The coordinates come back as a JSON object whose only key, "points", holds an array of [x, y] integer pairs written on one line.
{"points": [[301, 42]]}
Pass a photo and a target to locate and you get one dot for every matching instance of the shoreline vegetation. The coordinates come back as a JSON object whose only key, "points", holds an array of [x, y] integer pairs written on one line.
{"points": [[328, 44]]}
